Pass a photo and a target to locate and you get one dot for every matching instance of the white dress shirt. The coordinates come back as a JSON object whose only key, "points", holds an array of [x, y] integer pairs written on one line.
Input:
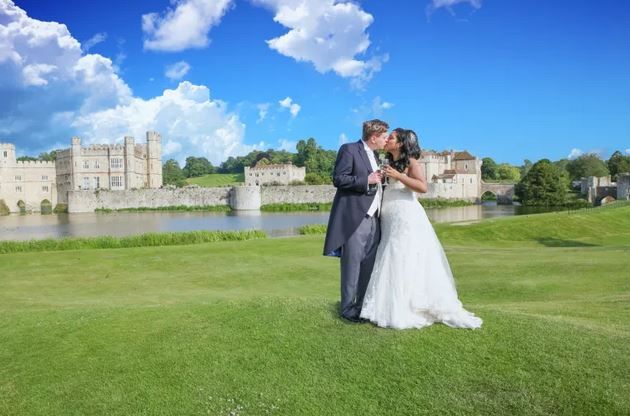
{"points": [[376, 204]]}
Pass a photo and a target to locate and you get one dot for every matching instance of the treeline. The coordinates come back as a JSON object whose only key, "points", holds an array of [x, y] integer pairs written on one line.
{"points": [[318, 162], [44, 157], [550, 183]]}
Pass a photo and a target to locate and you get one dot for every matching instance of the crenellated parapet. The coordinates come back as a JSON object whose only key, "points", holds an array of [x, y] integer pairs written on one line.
{"points": [[34, 164]]}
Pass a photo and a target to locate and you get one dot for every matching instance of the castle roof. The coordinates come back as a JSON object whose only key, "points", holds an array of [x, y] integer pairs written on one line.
{"points": [[463, 156]]}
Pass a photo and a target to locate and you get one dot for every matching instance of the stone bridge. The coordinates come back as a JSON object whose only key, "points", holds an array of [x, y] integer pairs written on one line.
{"points": [[503, 191], [605, 195]]}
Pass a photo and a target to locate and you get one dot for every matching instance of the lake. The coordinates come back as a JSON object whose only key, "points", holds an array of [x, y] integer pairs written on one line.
{"points": [[35, 226]]}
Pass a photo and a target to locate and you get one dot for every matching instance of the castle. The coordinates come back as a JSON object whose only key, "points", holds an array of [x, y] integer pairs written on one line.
{"points": [[31, 185], [452, 175], [283, 174]]}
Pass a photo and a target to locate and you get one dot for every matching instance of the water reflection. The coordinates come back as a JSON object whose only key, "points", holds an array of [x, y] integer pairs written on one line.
{"points": [[35, 226]]}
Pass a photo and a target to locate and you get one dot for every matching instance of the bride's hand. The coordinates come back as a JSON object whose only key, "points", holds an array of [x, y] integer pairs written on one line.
{"points": [[391, 172]]}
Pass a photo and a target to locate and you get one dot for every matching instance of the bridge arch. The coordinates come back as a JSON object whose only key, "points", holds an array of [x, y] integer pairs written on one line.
{"points": [[503, 191], [489, 196], [45, 207]]}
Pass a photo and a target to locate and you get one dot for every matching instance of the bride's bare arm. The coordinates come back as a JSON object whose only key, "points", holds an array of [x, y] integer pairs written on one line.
{"points": [[414, 179]]}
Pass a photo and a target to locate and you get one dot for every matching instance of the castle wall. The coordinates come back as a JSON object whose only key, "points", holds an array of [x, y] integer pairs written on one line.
{"points": [[300, 194], [88, 201], [623, 187]]}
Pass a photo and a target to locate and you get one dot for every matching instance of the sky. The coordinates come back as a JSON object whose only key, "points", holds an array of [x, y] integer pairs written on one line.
{"points": [[510, 79]]}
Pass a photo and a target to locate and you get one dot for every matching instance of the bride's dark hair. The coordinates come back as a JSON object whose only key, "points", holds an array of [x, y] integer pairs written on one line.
{"points": [[409, 149]]}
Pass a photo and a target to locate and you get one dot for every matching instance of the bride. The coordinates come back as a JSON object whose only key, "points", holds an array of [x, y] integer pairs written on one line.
{"points": [[411, 285]]}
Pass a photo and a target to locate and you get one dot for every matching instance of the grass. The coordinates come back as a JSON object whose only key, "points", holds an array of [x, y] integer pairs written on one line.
{"points": [[444, 203], [250, 328], [310, 229], [217, 179], [188, 208], [296, 207], [142, 240]]}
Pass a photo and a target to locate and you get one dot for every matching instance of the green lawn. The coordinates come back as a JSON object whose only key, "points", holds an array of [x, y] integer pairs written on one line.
{"points": [[217, 179], [250, 328]]}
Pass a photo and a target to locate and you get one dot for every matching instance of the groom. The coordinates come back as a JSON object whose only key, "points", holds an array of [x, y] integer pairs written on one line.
{"points": [[353, 228]]}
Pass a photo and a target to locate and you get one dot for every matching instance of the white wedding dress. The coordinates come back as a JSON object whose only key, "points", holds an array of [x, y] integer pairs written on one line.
{"points": [[412, 284]]}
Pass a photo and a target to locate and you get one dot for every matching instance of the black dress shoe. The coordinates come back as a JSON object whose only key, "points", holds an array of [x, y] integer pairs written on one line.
{"points": [[353, 319]]}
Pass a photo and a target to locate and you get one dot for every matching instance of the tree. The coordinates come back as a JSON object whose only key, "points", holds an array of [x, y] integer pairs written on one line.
{"points": [[542, 185], [26, 159], [44, 156], [197, 166], [618, 163], [527, 165], [48, 157], [488, 169], [562, 167], [172, 174], [507, 172], [587, 165], [315, 159]]}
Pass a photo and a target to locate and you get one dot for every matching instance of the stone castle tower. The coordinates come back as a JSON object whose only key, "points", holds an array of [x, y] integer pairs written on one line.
{"points": [[154, 159]]}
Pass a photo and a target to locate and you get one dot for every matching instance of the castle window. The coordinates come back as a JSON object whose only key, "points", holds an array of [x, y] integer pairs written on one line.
{"points": [[44, 177], [45, 188], [97, 182], [5, 154], [18, 177], [116, 181], [116, 162], [470, 180], [96, 164], [86, 183], [18, 189], [86, 164]]}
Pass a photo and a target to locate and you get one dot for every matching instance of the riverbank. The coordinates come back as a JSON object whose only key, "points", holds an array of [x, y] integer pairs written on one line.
{"points": [[250, 327]]}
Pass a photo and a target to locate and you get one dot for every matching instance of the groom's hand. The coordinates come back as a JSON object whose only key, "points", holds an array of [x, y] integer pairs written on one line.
{"points": [[375, 177]]}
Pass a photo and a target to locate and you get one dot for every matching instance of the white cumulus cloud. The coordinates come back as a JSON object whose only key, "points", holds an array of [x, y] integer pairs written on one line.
{"points": [[575, 153], [177, 70], [330, 34], [183, 26], [294, 108], [627, 151], [189, 120], [51, 90], [45, 77]]}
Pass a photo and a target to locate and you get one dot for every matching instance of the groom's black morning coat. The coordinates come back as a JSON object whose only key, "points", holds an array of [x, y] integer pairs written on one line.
{"points": [[352, 200]]}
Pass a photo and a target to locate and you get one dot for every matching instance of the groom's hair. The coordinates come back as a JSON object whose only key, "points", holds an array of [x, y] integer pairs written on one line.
{"points": [[371, 127]]}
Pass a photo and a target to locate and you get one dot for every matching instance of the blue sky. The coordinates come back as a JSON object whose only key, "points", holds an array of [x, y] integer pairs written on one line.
{"points": [[506, 79]]}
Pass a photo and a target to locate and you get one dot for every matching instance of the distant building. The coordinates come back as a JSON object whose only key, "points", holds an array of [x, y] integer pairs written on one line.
{"points": [[26, 186], [452, 175], [273, 174]]}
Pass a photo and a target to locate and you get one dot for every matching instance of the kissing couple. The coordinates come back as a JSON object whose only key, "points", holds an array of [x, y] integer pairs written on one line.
{"points": [[394, 271]]}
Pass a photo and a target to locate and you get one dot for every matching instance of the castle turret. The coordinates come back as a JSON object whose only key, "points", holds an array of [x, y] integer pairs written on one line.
{"points": [[7, 155], [129, 163], [154, 159], [75, 151]]}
